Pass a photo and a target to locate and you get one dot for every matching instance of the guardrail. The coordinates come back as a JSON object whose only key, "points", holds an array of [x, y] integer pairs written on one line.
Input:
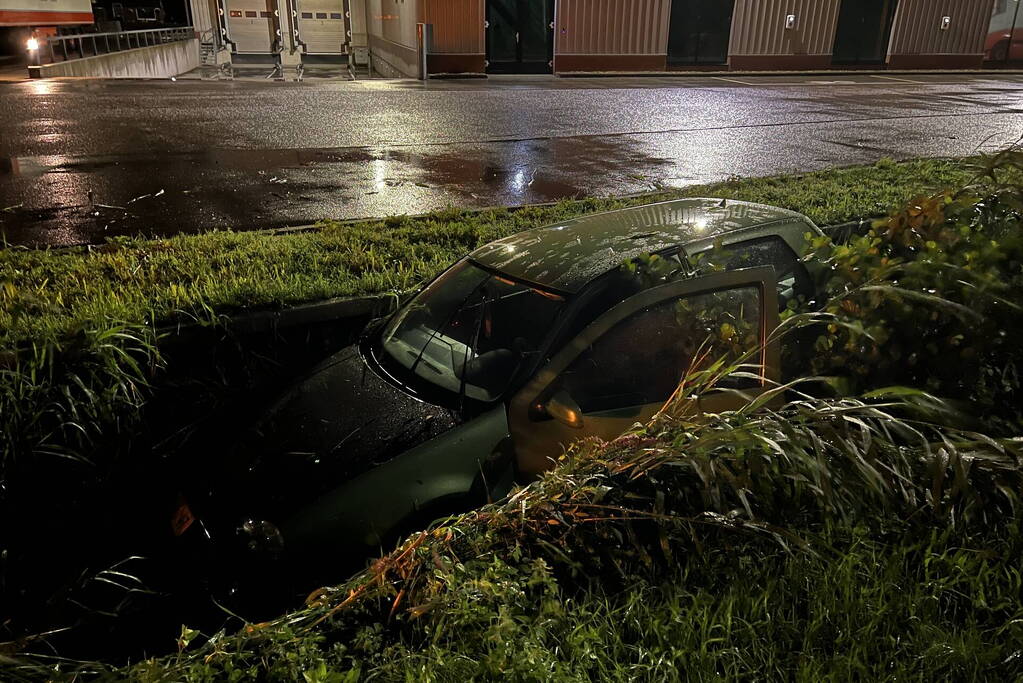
{"points": [[67, 48]]}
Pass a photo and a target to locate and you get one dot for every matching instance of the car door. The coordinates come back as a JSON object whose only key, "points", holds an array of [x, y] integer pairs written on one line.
{"points": [[622, 368]]}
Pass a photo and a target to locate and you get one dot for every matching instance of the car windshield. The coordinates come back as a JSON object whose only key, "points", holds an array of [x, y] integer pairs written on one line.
{"points": [[469, 331]]}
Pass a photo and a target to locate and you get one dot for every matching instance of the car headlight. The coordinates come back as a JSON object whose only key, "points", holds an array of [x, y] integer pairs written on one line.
{"points": [[261, 536]]}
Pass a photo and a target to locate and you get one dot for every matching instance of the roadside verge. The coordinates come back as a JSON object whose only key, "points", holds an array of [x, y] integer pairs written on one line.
{"points": [[45, 295]]}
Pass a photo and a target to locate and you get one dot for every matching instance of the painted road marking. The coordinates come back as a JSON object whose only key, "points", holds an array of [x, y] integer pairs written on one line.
{"points": [[733, 80], [903, 80]]}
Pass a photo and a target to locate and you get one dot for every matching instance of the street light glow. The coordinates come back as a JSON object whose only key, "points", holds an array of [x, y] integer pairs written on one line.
{"points": [[32, 44]]}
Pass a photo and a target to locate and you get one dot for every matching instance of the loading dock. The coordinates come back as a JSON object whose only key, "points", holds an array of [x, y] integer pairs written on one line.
{"points": [[323, 26], [252, 25]]}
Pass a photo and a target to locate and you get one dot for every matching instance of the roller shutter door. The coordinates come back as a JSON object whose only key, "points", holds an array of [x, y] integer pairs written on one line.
{"points": [[321, 24], [250, 24]]}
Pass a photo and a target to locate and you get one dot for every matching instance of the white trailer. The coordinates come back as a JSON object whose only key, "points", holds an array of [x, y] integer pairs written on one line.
{"points": [[45, 13]]}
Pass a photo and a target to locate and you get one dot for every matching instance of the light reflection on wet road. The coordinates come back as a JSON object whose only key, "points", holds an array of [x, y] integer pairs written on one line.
{"points": [[161, 157]]}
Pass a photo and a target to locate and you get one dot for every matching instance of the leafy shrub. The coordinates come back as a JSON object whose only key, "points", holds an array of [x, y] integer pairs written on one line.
{"points": [[931, 297]]}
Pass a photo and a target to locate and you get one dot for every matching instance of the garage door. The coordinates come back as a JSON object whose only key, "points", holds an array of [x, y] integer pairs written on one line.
{"points": [[321, 24], [251, 25]]}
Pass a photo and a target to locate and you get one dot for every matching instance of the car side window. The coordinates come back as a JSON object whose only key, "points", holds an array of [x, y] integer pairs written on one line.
{"points": [[642, 359], [794, 281], [795, 288]]}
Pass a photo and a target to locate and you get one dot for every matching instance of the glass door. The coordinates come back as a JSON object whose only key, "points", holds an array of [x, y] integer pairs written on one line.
{"points": [[864, 28], [1004, 42], [699, 31], [520, 36]]}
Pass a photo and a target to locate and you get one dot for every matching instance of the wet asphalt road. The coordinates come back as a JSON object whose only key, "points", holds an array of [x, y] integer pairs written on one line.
{"points": [[161, 157]]}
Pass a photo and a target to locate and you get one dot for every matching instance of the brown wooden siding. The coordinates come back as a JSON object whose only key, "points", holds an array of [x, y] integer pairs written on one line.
{"points": [[917, 27], [758, 27], [612, 27], [457, 25]]}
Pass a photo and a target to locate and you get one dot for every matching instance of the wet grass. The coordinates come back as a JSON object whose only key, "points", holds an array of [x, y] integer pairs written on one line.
{"points": [[48, 294], [829, 540]]}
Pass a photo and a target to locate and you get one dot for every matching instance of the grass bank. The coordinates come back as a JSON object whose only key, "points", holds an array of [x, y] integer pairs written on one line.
{"points": [[47, 294]]}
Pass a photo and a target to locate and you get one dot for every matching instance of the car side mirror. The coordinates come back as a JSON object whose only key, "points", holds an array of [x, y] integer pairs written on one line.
{"points": [[563, 408]]}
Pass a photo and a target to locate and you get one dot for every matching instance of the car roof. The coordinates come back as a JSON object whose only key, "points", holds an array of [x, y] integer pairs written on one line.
{"points": [[567, 256]]}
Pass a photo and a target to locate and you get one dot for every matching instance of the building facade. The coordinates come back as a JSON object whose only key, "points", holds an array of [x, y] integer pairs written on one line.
{"points": [[585, 36]]}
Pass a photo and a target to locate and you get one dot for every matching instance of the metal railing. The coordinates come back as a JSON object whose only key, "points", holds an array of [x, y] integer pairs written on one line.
{"points": [[80, 46]]}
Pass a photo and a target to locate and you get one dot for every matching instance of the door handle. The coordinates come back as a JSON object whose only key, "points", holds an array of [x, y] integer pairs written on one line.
{"points": [[516, 36]]}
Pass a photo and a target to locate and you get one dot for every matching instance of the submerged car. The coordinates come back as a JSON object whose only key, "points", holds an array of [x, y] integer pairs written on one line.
{"points": [[483, 377]]}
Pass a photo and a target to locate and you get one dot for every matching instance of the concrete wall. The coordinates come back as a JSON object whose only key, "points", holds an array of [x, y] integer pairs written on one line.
{"points": [[391, 28], [202, 16], [360, 39], [157, 61]]}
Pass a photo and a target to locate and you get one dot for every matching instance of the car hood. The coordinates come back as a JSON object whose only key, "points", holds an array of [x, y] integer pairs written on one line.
{"points": [[338, 422]]}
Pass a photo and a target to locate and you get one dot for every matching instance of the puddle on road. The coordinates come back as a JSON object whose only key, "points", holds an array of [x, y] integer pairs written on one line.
{"points": [[267, 188]]}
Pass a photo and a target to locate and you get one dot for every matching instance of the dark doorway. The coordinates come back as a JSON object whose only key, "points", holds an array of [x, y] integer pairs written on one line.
{"points": [[699, 31], [520, 36], [864, 28]]}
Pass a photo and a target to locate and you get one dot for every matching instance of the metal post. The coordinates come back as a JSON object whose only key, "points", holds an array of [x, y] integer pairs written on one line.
{"points": [[95, 50], [424, 33]]}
